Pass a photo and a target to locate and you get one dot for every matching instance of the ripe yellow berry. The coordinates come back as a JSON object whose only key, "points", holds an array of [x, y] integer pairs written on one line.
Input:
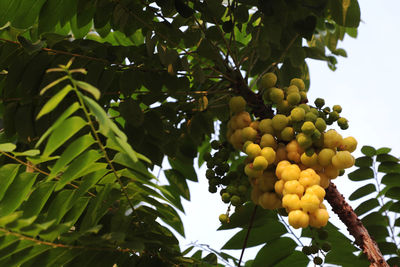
{"points": [[283, 107], [298, 219], [268, 80], [331, 171], [294, 156], [293, 146], [293, 187], [253, 150], [269, 154], [292, 89], [291, 202], [332, 139], [324, 180], [278, 187], [246, 144], [243, 119], [309, 161], [268, 140], [319, 218], [265, 126], [280, 153], [251, 172], [267, 181], [309, 202], [236, 139], [297, 114], [255, 125], [316, 190], [248, 133], [343, 160], [279, 122], [269, 200], [349, 144], [260, 163], [280, 167], [255, 194], [291, 172], [237, 104], [309, 178], [276, 95], [293, 98], [287, 134], [299, 83], [325, 156]]}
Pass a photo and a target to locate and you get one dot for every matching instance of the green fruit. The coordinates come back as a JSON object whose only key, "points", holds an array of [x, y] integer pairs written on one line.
{"points": [[319, 102], [279, 122], [317, 260], [322, 234], [303, 96], [226, 197], [207, 156], [315, 111], [223, 218], [306, 250], [287, 134], [210, 174], [308, 128], [212, 189], [232, 190], [304, 141], [334, 116], [211, 163], [316, 135], [305, 107], [237, 104], [310, 116], [293, 98], [292, 89], [297, 114], [343, 123], [341, 172], [310, 152], [320, 124], [242, 189], [283, 107], [215, 144], [327, 110], [314, 249], [236, 201], [326, 247], [299, 83], [268, 80], [337, 108], [276, 95]]}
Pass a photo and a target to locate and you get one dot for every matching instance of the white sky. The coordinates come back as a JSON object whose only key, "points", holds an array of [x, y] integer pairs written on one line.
{"points": [[366, 85]]}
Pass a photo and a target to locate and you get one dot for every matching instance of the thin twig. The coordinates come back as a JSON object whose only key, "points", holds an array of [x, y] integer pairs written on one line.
{"points": [[253, 215]]}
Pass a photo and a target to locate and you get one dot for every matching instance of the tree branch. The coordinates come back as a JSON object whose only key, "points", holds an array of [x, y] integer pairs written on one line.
{"points": [[355, 227]]}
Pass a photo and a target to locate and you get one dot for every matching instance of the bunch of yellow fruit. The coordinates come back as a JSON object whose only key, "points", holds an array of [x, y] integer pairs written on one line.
{"points": [[291, 158]]}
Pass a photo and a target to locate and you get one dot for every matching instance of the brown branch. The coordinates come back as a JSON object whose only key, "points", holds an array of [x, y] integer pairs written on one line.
{"points": [[355, 227], [253, 215]]}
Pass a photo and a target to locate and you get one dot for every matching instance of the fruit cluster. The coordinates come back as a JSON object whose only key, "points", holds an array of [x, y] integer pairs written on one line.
{"points": [[291, 157]]}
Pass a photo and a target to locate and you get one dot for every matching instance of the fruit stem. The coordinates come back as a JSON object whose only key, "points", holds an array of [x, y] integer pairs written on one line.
{"points": [[253, 215]]}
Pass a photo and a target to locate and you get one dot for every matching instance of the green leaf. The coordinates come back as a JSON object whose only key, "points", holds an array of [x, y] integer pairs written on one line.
{"points": [[60, 205], [78, 167], [363, 191], [389, 167], [297, 258], [17, 192], [393, 193], [27, 13], [69, 111], [131, 112], [89, 88], [383, 150], [366, 206], [178, 182], [270, 230], [361, 174], [186, 168], [274, 252], [387, 248], [7, 147], [73, 150], [391, 179], [374, 218], [345, 12], [54, 101], [28, 153], [62, 133], [37, 199], [386, 157], [368, 151], [364, 162], [8, 173]]}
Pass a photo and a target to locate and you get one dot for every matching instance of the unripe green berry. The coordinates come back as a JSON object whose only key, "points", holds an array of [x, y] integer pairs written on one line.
{"points": [[236, 201], [308, 128], [326, 247], [299, 83], [210, 174], [314, 249], [268, 80], [305, 107], [343, 123], [232, 190], [306, 250], [242, 189], [319, 102], [334, 116], [337, 108], [276, 95], [215, 144], [212, 189], [226, 197], [310, 151], [322, 234], [223, 218], [310, 116], [320, 124], [293, 98], [317, 260]]}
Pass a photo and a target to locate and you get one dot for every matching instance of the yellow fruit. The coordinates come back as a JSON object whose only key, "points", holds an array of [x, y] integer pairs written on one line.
{"points": [[283, 107], [253, 150], [297, 114], [248, 133], [246, 144], [287, 134], [255, 125], [291, 172], [293, 187], [280, 167], [279, 122], [309, 178], [291, 202], [331, 172], [255, 194], [260, 163], [319, 218], [251, 172], [237, 139], [268, 140], [309, 202], [278, 187], [292, 89], [304, 141], [332, 139], [293, 146], [316, 190], [276, 95], [299, 83], [343, 160], [325, 156], [269, 154], [237, 104], [269, 200], [293, 98], [243, 119], [232, 124], [280, 153], [309, 161], [349, 144], [298, 219], [294, 156], [202, 103], [324, 180], [303, 96], [267, 181], [308, 128], [266, 126], [268, 80]]}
